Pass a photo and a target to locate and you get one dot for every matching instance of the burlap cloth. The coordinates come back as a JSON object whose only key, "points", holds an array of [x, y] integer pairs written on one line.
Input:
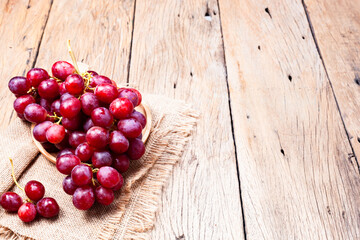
{"points": [[131, 215]]}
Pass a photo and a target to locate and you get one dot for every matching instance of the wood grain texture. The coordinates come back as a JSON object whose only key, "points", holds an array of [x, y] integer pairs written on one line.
{"points": [[177, 51], [337, 30], [21, 26], [298, 178], [100, 35]]}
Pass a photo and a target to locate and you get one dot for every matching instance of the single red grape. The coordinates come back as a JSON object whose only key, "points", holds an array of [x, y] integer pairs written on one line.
{"points": [[10, 201], [27, 212], [129, 127], [88, 103], [69, 186], [88, 124], [136, 149], [49, 89], [76, 138], [64, 143], [104, 196], [74, 84], [35, 113], [121, 108], [139, 117], [101, 159], [39, 131], [99, 79], [138, 94], [65, 151], [108, 177], [55, 133], [62, 69], [106, 92], [81, 175], [84, 152], [118, 142], [45, 103], [55, 107], [34, 190], [121, 163], [92, 73], [65, 96], [102, 117], [113, 83], [19, 86], [47, 207], [36, 75], [72, 124], [62, 88], [66, 163], [21, 103], [84, 198], [97, 137], [132, 96], [70, 107]]}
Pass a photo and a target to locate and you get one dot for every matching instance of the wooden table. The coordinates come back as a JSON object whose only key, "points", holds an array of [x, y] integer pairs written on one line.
{"points": [[277, 84]]}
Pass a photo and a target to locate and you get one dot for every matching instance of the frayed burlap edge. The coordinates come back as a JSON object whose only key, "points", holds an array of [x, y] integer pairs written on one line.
{"points": [[8, 234], [136, 214]]}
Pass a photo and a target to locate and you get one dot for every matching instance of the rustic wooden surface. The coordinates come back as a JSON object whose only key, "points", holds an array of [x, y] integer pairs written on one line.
{"points": [[276, 83]]}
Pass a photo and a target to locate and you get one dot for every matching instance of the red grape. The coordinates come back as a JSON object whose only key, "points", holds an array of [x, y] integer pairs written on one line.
{"points": [[47, 207], [70, 107], [130, 127], [81, 175], [121, 108], [97, 137], [84, 198], [132, 96], [118, 142], [36, 75], [88, 124], [136, 149], [92, 73], [102, 117], [108, 177], [72, 124], [45, 103], [66, 163], [76, 138], [62, 69], [19, 85], [55, 107], [64, 143], [65, 151], [101, 159], [27, 212], [88, 103], [34, 190], [39, 131], [49, 89], [139, 117], [121, 163], [106, 92], [99, 79], [104, 196], [62, 88], [55, 133], [84, 152], [35, 113], [21, 103], [138, 94], [65, 96], [74, 84], [69, 186], [10, 201]]}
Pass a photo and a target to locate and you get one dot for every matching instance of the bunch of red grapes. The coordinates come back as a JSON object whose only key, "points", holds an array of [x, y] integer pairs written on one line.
{"points": [[89, 120], [34, 204]]}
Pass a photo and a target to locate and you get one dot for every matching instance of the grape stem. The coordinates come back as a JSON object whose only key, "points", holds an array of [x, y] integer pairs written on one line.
{"points": [[13, 175], [73, 57]]}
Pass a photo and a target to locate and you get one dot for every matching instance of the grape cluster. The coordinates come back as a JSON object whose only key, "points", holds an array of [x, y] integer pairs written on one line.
{"points": [[89, 120], [35, 203]]}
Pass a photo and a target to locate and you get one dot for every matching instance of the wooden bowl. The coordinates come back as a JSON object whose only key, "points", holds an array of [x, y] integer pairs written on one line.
{"points": [[143, 108]]}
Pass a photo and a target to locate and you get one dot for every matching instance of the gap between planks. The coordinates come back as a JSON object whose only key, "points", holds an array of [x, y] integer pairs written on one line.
{"points": [[231, 122], [330, 83]]}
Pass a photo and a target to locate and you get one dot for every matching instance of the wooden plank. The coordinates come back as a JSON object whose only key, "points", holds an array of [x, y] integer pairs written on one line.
{"points": [[337, 30], [177, 51], [298, 179], [100, 35], [21, 26]]}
